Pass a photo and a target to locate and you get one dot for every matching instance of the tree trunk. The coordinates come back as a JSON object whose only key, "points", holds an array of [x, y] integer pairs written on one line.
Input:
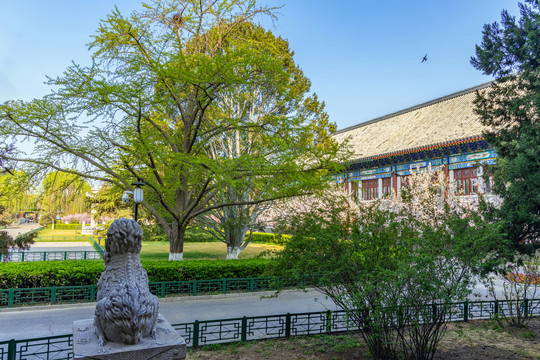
{"points": [[233, 252], [235, 233], [176, 237]]}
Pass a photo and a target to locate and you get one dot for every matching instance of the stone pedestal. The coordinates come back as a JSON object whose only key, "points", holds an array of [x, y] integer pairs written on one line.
{"points": [[168, 345]]}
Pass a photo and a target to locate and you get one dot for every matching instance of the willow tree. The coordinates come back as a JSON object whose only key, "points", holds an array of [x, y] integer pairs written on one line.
{"points": [[64, 193], [141, 111]]}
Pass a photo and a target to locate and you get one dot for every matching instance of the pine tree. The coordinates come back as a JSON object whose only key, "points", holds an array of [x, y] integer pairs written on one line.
{"points": [[510, 51]]}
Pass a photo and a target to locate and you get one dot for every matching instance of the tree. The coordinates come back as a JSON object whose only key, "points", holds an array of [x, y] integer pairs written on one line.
{"points": [[394, 264], [147, 95], [266, 102], [17, 192], [65, 193], [510, 108], [107, 203], [8, 243]]}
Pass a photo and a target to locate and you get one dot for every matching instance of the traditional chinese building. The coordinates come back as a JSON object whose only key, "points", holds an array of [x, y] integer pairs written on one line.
{"points": [[445, 133]]}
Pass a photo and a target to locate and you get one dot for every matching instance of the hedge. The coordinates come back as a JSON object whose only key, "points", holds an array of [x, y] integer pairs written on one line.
{"points": [[87, 272], [194, 234], [269, 238], [65, 226]]}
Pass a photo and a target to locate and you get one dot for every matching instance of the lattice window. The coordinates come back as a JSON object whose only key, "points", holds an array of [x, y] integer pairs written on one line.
{"points": [[370, 189], [387, 186], [466, 181]]}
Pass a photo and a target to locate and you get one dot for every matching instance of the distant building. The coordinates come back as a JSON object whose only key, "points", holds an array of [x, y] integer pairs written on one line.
{"points": [[445, 133]]}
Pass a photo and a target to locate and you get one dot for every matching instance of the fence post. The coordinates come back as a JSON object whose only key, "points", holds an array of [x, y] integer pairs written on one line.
{"points": [[65, 255], [12, 349], [44, 256], [434, 309], [11, 297], [252, 285], [92, 293], [288, 325], [496, 308], [328, 321], [85, 255], [466, 311], [53, 295], [22, 256], [162, 289], [525, 308], [194, 287], [243, 336], [224, 286], [196, 334]]}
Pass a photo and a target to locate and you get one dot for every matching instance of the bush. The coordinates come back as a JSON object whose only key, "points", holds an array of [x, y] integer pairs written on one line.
{"points": [[65, 226], [194, 234], [46, 219], [269, 238], [87, 272]]}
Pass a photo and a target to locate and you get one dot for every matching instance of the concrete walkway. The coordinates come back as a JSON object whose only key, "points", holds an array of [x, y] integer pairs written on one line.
{"points": [[42, 321], [16, 230]]}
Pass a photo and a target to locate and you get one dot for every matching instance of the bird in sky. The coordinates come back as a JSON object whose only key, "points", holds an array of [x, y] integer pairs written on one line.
{"points": [[424, 58]]}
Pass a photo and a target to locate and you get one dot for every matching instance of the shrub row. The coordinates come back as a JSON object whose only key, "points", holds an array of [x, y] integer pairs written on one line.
{"points": [[269, 238], [87, 272], [65, 226], [193, 234]]}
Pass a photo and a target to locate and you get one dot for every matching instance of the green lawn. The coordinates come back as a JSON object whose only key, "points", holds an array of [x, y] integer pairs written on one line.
{"points": [[159, 250]]}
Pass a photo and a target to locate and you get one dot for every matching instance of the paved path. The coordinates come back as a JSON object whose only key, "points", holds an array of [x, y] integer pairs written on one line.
{"points": [[41, 321], [15, 230], [62, 246]]}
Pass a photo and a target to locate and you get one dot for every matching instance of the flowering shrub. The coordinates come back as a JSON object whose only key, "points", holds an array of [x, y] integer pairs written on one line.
{"points": [[76, 218], [522, 278], [422, 246]]}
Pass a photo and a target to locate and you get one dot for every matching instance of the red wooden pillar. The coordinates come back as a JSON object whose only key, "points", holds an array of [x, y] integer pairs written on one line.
{"points": [[394, 182]]}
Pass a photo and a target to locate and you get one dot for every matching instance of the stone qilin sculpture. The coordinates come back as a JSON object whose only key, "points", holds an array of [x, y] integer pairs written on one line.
{"points": [[126, 311]]}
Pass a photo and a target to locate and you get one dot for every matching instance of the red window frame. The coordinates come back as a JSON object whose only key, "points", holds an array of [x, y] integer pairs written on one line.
{"points": [[466, 181], [370, 189], [387, 186]]}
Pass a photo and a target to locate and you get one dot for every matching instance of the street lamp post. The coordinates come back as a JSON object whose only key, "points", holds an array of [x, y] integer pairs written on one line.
{"points": [[137, 194]]}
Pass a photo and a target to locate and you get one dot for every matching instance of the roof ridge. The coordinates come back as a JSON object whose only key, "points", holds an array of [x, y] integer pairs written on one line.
{"points": [[416, 107]]}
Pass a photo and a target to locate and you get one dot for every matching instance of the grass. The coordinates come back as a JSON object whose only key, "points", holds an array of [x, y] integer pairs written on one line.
{"points": [[159, 250], [470, 340]]}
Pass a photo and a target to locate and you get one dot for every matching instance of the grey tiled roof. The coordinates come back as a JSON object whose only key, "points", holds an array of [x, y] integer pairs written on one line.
{"points": [[438, 121]]}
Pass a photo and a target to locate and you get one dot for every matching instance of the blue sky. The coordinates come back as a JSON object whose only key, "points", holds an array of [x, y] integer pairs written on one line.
{"points": [[363, 57]]}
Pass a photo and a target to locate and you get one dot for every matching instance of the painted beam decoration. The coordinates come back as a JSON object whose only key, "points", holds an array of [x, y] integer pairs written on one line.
{"points": [[472, 159]]}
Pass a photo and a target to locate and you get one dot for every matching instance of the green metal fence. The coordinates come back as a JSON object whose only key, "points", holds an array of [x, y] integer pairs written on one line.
{"points": [[71, 294], [201, 333], [97, 246], [22, 256]]}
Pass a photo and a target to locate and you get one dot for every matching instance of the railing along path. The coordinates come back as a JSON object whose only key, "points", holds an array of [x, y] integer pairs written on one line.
{"points": [[201, 333]]}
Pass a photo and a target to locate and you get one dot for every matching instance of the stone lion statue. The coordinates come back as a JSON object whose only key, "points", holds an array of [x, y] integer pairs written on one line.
{"points": [[126, 311]]}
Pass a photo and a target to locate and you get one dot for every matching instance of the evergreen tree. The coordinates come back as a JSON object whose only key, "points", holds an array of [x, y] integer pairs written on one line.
{"points": [[510, 51]]}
